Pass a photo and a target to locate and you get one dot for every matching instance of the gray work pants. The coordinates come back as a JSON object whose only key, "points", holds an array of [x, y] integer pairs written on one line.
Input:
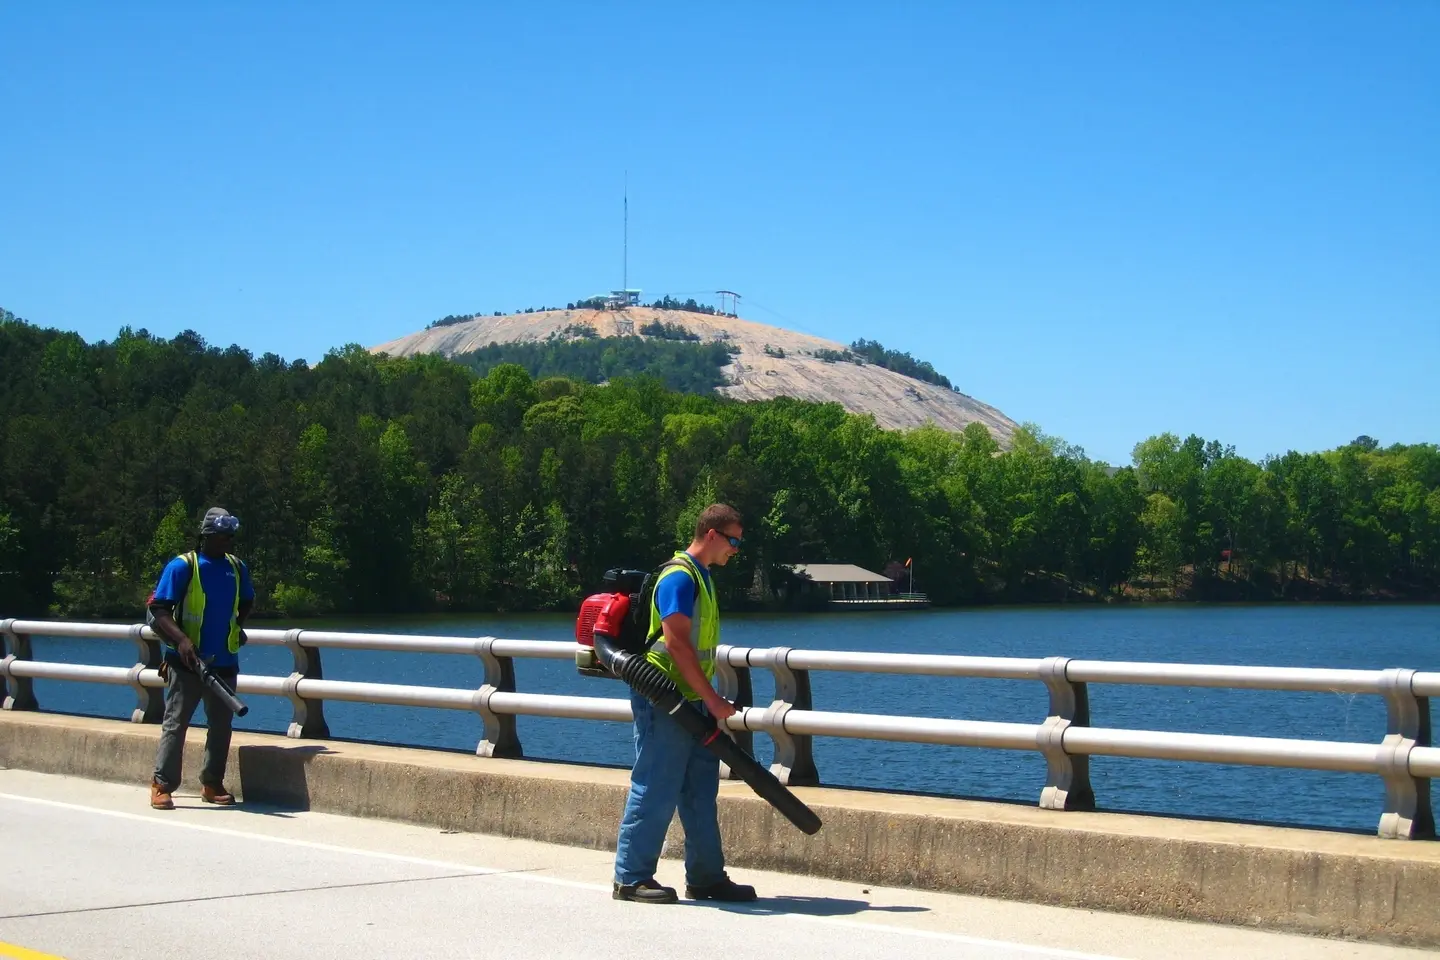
{"points": [[183, 693]]}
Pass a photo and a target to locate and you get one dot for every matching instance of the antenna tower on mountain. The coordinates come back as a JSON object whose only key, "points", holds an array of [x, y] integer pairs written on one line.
{"points": [[625, 269], [624, 297]]}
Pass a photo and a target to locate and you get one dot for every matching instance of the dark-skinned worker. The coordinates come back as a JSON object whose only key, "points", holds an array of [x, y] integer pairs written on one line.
{"points": [[199, 609], [672, 771]]}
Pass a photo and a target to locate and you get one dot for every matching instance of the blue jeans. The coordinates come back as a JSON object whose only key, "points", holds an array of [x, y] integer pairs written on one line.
{"points": [[672, 771]]}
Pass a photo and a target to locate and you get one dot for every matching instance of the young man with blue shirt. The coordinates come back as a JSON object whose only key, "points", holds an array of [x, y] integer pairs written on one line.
{"points": [[672, 770], [199, 609]]}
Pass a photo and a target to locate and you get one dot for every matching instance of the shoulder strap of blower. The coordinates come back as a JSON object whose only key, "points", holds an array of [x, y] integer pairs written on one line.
{"points": [[179, 602], [647, 594]]}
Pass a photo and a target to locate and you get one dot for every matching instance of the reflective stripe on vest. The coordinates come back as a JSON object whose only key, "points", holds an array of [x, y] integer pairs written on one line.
{"points": [[704, 626], [192, 611]]}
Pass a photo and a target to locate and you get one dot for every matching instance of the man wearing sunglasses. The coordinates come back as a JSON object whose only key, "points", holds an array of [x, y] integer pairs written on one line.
{"points": [[672, 770], [199, 609]]}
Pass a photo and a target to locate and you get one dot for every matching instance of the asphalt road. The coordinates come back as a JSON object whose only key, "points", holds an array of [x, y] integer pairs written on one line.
{"points": [[88, 871]]}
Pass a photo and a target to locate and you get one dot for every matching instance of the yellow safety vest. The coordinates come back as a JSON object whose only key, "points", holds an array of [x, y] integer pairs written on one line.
{"points": [[704, 626], [192, 610]]}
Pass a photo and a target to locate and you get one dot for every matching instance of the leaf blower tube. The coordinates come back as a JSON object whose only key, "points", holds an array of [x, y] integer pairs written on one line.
{"points": [[221, 689], [650, 682]]}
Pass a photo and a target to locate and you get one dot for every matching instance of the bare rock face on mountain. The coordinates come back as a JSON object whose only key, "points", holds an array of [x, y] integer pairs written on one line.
{"points": [[772, 362]]}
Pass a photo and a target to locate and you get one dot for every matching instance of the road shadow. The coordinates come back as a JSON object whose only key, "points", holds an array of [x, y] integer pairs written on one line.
{"points": [[806, 906]]}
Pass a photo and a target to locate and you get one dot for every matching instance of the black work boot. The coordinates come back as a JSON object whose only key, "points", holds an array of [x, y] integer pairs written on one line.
{"points": [[727, 890], [646, 891]]}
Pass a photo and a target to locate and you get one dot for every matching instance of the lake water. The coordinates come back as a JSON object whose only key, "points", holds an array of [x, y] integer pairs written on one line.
{"points": [[1346, 636]]}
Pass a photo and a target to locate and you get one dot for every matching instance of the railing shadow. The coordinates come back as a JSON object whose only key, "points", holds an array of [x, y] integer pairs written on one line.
{"points": [[1279, 822], [277, 776], [466, 752], [1104, 808]]}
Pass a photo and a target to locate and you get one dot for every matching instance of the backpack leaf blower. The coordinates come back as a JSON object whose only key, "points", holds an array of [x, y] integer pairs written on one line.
{"points": [[613, 644]]}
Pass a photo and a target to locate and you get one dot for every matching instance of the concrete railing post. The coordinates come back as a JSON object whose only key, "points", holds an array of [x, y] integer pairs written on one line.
{"points": [[308, 715], [501, 738], [1067, 776], [1408, 814], [734, 685], [149, 701], [794, 763], [19, 691], [7, 632]]}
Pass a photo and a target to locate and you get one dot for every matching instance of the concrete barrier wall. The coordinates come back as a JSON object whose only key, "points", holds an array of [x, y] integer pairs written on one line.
{"points": [[1315, 882]]}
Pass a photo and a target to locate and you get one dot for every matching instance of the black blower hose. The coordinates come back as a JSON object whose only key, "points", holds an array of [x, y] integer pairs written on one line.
{"points": [[650, 682]]}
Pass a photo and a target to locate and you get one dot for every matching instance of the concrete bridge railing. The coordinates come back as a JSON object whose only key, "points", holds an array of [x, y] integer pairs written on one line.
{"points": [[1403, 758]]}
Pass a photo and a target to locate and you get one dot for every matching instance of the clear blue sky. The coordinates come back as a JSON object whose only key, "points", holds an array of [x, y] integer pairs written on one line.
{"points": [[1112, 219]]}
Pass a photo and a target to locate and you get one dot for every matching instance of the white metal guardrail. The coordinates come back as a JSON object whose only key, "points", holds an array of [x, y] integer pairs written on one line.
{"points": [[1404, 758]]}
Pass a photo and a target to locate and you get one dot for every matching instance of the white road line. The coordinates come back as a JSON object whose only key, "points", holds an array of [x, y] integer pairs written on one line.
{"points": [[501, 873]]}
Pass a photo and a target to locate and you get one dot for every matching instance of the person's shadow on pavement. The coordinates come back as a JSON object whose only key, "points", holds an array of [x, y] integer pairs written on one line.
{"points": [[808, 906]]}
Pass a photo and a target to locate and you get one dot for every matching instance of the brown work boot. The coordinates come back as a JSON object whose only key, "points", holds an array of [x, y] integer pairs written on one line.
{"points": [[216, 795], [160, 797]]}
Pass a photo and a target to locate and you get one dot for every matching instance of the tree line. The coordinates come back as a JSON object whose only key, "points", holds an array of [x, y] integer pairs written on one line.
{"points": [[577, 353], [872, 351], [371, 484], [667, 302]]}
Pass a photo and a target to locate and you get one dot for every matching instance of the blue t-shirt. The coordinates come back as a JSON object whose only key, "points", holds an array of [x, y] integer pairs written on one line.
{"points": [[218, 579], [676, 594]]}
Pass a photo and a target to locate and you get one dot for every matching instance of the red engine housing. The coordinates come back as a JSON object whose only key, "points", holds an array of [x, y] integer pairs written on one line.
{"points": [[603, 613]]}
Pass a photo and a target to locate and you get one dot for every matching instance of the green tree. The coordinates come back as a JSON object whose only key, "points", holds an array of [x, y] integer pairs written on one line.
{"points": [[1115, 528], [1161, 549], [11, 597], [453, 547], [174, 535]]}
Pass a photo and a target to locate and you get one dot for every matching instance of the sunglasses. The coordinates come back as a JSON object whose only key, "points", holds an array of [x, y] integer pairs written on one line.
{"points": [[226, 524], [734, 541]]}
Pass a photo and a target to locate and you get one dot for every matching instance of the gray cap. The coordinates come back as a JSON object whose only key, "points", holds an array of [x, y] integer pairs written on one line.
{"points": [[211, 525]]}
